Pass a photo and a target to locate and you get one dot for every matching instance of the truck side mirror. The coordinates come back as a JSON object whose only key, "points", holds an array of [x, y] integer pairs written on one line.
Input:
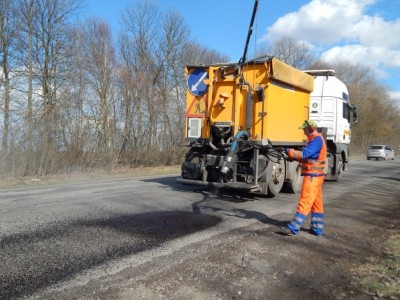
{"points": [[355, 114]]}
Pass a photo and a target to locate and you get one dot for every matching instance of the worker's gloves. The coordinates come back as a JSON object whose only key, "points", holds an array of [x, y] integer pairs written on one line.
{"points": [[282, 149], [289, 153], [284, 153]]}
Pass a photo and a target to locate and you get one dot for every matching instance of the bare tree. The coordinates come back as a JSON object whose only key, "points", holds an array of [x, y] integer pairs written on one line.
{"points": [[76, 96], [293, 52], [26, 29], [51, 27], [154, 48], [196, 54], [172, 42], [138, 49], [100, 65], [7, 41]]}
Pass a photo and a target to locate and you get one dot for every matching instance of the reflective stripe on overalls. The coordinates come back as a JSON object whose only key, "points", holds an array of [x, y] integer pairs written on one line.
{"points": [[313, 167], [317, 223]]}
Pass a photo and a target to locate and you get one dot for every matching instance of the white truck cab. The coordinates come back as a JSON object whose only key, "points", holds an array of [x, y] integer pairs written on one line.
{"points": [[330, 107]]}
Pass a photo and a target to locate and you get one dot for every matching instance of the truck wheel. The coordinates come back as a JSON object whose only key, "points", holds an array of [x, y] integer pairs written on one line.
{"points": [[276, 176], [337, 173], [191, 166], [295, 180]]}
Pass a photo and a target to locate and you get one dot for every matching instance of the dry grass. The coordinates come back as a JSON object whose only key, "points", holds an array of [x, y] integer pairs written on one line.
{"points": [[80, 176], [381, 276]]}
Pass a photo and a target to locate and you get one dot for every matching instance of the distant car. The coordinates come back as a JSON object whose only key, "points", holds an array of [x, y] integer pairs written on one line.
{"points": [[380, 152]]}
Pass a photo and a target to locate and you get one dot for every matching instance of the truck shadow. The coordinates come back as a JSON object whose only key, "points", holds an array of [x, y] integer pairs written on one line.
{"points": [[228, 195], [200, 206], [224, 194], [170, 182]]}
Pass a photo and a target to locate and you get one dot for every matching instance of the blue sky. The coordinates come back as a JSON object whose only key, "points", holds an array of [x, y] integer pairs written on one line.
{"points": [[367, 32]]}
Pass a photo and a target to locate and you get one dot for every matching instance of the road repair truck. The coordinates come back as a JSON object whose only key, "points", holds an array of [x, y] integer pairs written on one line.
{"points": [[240, 115]]}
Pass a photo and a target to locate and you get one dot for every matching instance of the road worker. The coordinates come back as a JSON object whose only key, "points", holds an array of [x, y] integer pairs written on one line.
{"points": [[312, 161]]}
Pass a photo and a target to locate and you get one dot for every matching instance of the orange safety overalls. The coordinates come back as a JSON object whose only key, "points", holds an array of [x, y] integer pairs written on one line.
{"points": [[313, 172]]}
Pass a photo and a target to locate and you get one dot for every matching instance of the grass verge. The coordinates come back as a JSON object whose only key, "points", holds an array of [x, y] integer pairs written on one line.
{"points": [[381, 276], [89, 176]]}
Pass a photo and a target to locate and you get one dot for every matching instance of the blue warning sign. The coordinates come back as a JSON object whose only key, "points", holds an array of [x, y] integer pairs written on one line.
{"points": [[195, 82]]}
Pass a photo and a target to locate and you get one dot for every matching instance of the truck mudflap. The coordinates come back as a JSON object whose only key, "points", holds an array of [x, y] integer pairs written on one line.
{"points": [[249, 187]]}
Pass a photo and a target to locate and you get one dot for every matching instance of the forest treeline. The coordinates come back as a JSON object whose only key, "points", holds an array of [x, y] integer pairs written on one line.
{"points": [[75, 97]]}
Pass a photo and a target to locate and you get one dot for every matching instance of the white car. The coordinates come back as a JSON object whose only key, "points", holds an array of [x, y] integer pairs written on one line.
{"points": [[380, 152]]}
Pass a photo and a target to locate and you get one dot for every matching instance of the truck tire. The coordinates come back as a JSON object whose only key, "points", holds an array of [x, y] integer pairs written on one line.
{"points": [[276, 176], [337, 172], [294, 179], [191, 166]]}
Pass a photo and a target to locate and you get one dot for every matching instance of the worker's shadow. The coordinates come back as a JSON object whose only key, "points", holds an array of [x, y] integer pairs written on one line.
{"points": [[199, 206]]}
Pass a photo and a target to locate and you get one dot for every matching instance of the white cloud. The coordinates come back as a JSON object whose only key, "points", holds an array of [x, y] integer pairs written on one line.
{"points": [[321, 21], [341, 29], [372, 56], [374, 31]]}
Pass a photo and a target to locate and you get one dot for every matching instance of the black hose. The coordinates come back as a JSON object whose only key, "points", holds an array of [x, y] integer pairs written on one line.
{"points": [[244, 57]]}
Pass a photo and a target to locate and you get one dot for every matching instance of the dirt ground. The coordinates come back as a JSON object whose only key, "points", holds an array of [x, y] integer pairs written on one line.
{"points": [[353, 261], [358, 258]]}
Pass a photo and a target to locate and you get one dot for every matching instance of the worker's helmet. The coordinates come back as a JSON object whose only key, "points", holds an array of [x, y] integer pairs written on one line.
{"points": [[312, 125]]}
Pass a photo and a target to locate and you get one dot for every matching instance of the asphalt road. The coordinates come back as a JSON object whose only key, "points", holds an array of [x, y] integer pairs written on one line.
{"points": [[71, 240]]}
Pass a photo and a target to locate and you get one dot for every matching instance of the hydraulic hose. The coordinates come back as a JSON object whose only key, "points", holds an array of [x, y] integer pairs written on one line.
{"points": [[253, 16], [227, 164]]}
